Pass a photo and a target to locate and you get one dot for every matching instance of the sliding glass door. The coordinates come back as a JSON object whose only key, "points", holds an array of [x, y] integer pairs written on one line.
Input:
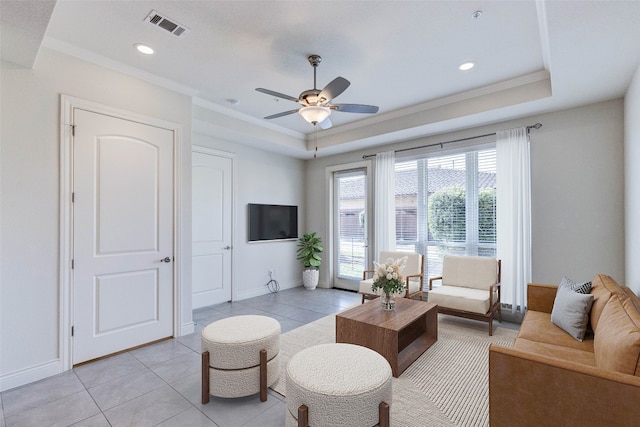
{"points": [[350, 227]]}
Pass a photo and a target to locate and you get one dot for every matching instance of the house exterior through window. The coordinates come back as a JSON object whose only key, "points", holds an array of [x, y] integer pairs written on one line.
{"points": [[446, 205]]}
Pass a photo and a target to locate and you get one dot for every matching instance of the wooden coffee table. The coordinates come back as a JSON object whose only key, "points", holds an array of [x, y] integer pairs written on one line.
{"points": [[401, 336]]}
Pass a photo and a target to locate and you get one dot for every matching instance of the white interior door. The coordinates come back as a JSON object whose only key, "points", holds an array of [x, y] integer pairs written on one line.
{"points": [[211, 228], [122, 234]]}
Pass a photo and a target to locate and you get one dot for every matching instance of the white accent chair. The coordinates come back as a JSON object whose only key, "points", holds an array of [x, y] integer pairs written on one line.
{"points": [[413, 274], [470, 288]]}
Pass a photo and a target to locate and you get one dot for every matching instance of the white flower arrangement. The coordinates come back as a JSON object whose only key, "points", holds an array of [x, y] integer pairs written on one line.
{"points": [[388, 276]]}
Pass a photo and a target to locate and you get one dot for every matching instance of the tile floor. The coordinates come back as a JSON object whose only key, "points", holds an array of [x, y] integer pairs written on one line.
{"points": [[159, 385]]}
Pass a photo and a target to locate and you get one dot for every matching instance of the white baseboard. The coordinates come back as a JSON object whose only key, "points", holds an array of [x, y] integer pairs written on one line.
{"points": [[29, 375], [264, 291], [187, 328]]}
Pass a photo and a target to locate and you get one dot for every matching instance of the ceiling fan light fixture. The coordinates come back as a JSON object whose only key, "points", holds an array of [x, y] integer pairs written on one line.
{"points": [[314, 114], [312, 99]]}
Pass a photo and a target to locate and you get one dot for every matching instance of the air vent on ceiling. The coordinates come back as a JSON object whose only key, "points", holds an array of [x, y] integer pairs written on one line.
{"points": [[165, 23]]}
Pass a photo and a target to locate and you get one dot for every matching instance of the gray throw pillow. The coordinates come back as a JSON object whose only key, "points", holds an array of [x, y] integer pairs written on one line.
{"points": [[581, 288], [571, 312]]}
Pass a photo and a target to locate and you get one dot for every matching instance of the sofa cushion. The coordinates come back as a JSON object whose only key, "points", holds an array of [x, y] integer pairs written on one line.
{"points": [[617, 340], [459, 298], [469, 271], [571, 311], [537, 326], [557, 351], [602, 287], [633, 298]]}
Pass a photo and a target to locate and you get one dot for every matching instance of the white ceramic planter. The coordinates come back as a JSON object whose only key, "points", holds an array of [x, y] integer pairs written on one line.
{"points": [[310, 278]]}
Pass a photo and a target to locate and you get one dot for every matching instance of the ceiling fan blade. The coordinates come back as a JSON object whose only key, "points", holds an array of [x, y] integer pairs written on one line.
{"points": [[284, 113], [325, 124], [278, 94], [355, 108], [333, 89]]}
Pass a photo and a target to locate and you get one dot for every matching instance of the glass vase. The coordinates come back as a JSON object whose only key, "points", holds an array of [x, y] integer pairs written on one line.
{"points": [[388, 302]]}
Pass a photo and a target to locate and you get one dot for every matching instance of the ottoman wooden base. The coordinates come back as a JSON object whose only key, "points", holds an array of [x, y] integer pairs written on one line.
{"points": [[303, 416], [240, 356], [336, 385], [229, 383]]}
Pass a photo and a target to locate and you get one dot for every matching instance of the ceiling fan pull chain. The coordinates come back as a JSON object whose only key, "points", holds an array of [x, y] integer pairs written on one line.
{"points": [[315, 153]]}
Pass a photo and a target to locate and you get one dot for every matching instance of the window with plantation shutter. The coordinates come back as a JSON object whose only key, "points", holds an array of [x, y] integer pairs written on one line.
{"points": [[447, 205]]}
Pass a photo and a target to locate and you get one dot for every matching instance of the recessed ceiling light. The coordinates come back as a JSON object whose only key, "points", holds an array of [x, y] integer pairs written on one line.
{"points": [[466, 66], [143, 48]]}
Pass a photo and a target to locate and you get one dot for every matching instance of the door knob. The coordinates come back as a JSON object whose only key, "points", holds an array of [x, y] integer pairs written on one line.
{"points": [[226, 248], [165, 259]]}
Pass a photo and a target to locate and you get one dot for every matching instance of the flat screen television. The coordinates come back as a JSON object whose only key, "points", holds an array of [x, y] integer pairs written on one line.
{"points": [[272, 222]]}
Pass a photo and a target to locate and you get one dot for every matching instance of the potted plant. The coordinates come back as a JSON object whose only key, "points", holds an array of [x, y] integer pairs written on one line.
{"points": [[309, 249]]}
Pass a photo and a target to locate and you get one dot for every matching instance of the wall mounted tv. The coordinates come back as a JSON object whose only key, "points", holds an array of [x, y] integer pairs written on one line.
{"points": [[272, 222]]}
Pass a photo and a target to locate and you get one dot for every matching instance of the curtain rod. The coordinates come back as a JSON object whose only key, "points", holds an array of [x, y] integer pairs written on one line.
{"points": [[536, 126]]}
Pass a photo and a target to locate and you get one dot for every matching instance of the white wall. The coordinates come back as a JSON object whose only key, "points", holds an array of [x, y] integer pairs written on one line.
{"points": [[29, 198], [632, 182], [269, 178], [577, 190], [578, 194]]}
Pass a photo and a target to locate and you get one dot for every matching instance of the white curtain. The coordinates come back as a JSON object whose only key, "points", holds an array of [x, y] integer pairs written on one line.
{"points": [[385, 203], [513, 194]]}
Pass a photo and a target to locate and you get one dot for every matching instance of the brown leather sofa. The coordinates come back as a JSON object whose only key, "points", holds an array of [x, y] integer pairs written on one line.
{"points": [[549, 378]]}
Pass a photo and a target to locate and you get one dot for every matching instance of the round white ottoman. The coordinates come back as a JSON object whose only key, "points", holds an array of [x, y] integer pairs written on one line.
{"points": [[240, 356], [340, 384]]}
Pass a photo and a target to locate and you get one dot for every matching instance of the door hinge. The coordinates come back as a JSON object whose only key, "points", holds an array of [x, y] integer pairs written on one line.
{"points": [[73, 130], [73, 263], [72, 331], [73, 197]]}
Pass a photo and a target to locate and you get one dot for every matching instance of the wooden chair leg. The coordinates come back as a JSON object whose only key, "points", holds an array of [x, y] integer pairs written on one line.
{"points": [[205, 377], [383, 411], [303, 416], [491, 325], [263, 375], [362, 299]]}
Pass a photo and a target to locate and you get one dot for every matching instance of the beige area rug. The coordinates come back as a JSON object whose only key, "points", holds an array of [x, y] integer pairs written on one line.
{"points": [[447, 386]]}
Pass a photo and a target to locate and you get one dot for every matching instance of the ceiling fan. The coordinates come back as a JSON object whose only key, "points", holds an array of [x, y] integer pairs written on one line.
{"points": [[316, 104]]}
